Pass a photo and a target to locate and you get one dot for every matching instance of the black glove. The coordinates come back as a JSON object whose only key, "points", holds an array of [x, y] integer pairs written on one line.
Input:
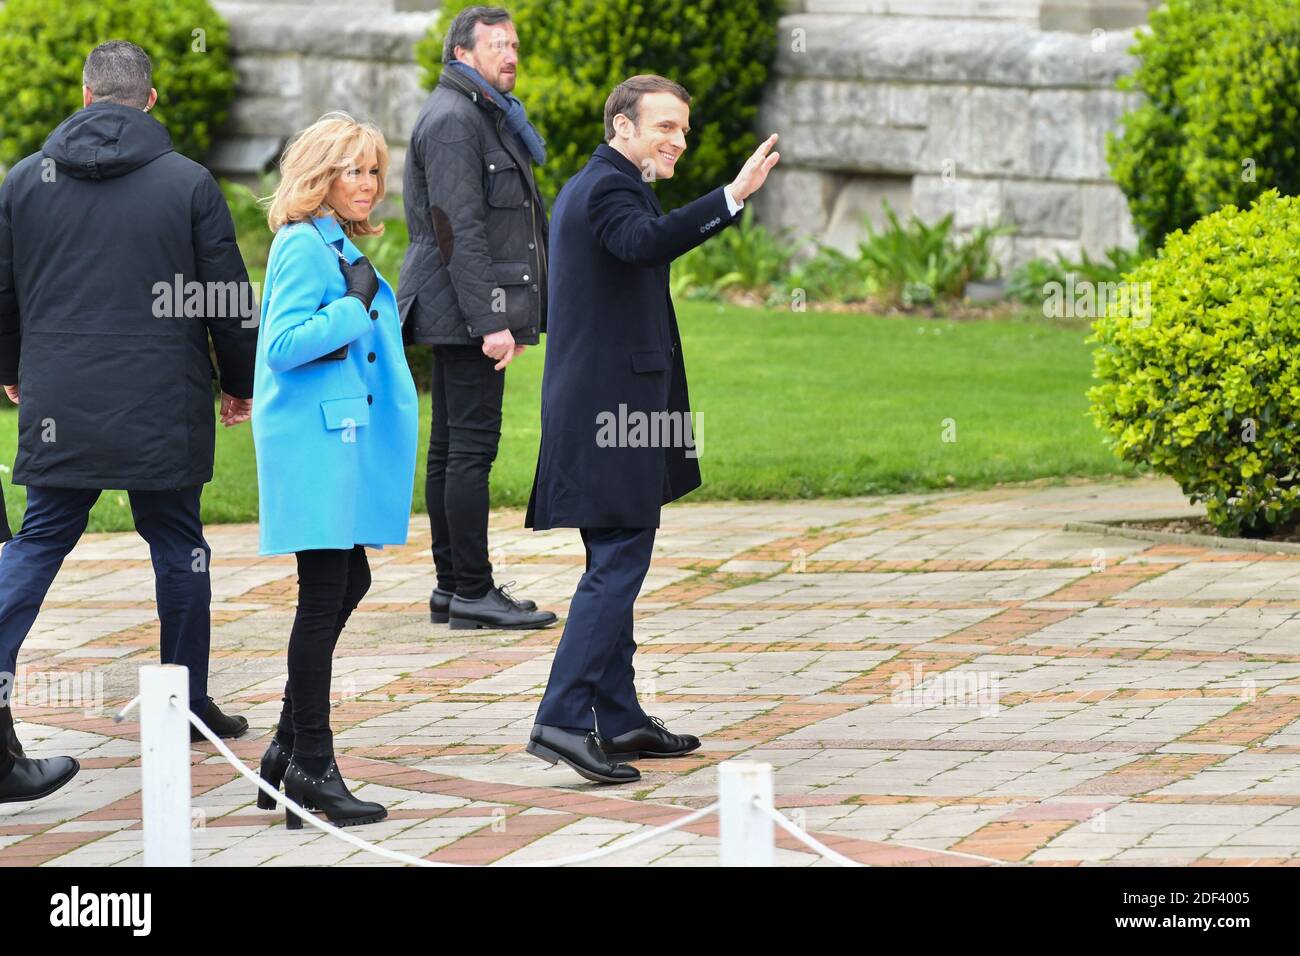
{"points": [[362, 281]]}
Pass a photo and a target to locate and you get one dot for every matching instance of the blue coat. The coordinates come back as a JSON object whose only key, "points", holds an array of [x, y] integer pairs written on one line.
{"points": [[335, 435], [613, 348]]}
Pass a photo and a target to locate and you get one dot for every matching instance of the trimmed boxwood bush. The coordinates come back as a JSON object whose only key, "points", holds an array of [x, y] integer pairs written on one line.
{"points": [[573, 54], [1220, 122], [1206, 388], [44, 44]]}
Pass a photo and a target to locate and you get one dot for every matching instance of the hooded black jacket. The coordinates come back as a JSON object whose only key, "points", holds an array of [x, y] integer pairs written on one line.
{"points": [[117, 260]]}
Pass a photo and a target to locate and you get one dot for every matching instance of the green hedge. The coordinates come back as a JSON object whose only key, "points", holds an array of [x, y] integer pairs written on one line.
{"points": [[1220, 119], [44, 44], [1206, 389], [573, 54]]}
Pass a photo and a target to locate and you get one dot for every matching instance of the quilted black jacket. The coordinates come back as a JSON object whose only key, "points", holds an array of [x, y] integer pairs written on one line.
{"points": [[477, 259]]}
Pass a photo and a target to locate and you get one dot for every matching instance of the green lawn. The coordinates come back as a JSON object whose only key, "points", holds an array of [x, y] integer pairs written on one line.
{"points": [[798, 405]]}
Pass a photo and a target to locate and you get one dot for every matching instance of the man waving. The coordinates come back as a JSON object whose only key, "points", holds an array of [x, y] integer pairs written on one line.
{"points": [[614, 353]]}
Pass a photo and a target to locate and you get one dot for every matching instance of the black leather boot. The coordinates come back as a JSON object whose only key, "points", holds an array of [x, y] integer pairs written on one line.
{"points": [[496, 610], [580, 752], [220, 724], [274, 763], [328, 794], [440, 603], [8, 736], [652, 740], [34, 779]]}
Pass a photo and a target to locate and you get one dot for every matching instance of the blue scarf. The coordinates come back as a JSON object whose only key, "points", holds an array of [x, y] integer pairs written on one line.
{"points": [[516, 115]]}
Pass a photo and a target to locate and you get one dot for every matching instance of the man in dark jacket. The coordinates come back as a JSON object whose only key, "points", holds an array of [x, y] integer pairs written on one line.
{"points": [[117, 261], [618, 440], [474, 286]]}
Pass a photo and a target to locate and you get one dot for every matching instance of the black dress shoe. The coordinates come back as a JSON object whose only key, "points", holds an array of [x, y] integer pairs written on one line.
{"points": [[440, 603], [34, 779], [652, 740], [274, 764], [328, 794], [219, 723], [581, 752], [495, 611]]}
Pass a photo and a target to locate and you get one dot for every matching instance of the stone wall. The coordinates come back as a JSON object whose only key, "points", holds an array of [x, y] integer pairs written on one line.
{"points": [[297, 60], [990, 119], [966, 107]]}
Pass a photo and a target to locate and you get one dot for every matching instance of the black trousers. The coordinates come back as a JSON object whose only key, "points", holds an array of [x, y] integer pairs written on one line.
{"points": [[168, 520], [467, 394], [330, 586], [593, 683]]}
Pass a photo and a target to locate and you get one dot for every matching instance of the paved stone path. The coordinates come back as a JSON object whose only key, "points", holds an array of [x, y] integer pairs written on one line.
{"points": [[940, 679]]}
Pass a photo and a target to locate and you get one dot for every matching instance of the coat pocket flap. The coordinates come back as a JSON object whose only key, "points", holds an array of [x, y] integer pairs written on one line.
{"points": [[649, 362], [512, 272], [346, 412]]}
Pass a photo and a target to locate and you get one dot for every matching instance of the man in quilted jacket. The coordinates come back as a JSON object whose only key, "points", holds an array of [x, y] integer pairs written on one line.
{"points": [[473, 285]]}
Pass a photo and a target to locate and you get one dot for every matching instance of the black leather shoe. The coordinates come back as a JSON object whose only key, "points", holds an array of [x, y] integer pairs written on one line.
{"points": [[440, 603], [328, 794], [581, 752], [274, 764], [34, 779], [652, 740], [219, 724], [496, 610]]}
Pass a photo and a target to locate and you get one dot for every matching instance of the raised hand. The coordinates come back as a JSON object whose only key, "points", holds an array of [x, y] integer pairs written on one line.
{"points": [[754, 173]]}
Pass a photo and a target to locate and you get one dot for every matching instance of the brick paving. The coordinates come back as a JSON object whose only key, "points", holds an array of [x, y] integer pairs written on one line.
{"points": [[937, 679]]}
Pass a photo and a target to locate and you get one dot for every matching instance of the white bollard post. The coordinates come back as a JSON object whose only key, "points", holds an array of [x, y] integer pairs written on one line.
{"points": [[747, 834], [165, 764]]}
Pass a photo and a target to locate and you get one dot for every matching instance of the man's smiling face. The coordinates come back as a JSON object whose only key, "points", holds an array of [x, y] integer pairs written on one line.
{"points": [[659, 137]]}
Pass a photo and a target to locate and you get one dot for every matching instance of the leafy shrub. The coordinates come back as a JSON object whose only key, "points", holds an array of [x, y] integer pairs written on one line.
{"points": [[1220, 120], [573, 54], [1028, 280], [1205, 387], [916, 264], [747, 256], [832, 276], [44, 44]]}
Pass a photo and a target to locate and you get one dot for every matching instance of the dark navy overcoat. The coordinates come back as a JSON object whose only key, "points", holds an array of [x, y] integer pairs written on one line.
{"points": [[613, 352]]}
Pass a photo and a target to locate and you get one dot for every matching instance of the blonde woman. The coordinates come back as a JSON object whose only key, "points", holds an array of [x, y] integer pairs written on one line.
{"points": [[334, 425]]}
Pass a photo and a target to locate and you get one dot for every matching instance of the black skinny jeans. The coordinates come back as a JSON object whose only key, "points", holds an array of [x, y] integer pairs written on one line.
{"points": [[330, 586], [467, 394]]}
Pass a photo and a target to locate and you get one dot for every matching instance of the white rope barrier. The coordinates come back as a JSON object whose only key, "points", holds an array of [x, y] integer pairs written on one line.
{"points": [[630, 841], [745, 809], [780, 820], [174, 703]]}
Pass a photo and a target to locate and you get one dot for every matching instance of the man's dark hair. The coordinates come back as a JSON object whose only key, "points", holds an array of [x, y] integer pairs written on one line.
{"points": [[119, 72], [461, 31], [626, 98]]}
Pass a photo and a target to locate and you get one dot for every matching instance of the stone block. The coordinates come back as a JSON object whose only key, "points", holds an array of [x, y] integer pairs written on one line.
{"points": [[1044, 209], [1106, 221]]}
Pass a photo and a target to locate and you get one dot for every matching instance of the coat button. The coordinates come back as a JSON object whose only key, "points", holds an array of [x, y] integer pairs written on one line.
{"points": [[531, 246], [373, 315], [370, 357], [534, 286], [525, 276], [527, 203], [370, 399], [492, 166]]}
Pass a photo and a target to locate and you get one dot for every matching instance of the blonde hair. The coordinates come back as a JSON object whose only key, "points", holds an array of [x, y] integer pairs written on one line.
{"points": [[314, 160]]}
